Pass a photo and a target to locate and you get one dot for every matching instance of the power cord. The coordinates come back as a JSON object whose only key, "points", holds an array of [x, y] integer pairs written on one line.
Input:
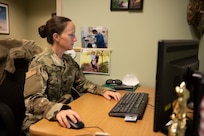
{"points": [[151, 105], [102, 133], [95, 127]]}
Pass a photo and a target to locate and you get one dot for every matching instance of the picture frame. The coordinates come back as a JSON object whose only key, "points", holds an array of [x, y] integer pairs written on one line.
{"points": [[126, 5], [135, 4], [118, 5], [4, 18]]}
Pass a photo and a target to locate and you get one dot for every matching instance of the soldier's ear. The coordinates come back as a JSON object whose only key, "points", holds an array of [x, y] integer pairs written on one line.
{"points": [[56, 37]]}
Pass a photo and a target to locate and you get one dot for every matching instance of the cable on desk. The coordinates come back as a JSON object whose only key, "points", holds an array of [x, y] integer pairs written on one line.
{"points": [[89, 134], [85, 135], [95, 127], [151, 105]]}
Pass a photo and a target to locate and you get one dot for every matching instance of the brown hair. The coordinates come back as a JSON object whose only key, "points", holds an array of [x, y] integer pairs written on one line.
{"points": [[56, 24]]}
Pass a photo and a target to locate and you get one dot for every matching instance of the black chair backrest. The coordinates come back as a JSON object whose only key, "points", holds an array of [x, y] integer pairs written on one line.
{"points": [[7, 125], [11, 93]]}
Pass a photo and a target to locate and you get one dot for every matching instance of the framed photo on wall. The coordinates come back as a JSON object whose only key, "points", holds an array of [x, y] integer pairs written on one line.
{"points": [[117, 5], [135, 4], [4, 19]]}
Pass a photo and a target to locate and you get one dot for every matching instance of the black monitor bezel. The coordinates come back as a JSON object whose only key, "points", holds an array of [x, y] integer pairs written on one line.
{"points": [[164, 62]]}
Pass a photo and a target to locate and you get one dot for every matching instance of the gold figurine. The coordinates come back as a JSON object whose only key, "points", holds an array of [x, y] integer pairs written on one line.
{"points": [[178, 126]]}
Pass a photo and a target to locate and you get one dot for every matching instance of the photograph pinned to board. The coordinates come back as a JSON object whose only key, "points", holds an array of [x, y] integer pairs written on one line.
{"points": [[4, 19], [95, 61], [94, 37]]}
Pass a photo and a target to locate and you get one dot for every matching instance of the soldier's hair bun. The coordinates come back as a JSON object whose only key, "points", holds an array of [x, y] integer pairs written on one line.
{"points": [[42, 31]]}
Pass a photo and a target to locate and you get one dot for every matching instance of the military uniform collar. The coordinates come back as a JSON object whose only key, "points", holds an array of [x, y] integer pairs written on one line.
{"points": [[56, 60]]}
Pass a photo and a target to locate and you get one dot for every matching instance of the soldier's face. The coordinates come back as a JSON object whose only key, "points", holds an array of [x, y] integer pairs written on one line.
{"points": [[68, 37]]}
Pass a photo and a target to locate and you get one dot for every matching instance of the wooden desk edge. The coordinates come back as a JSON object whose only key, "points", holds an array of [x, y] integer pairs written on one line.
{"points": [[35, 132]]}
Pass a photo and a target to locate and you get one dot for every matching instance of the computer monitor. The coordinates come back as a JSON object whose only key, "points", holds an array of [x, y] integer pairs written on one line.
{"points": [[197, 89], [177, 61]]}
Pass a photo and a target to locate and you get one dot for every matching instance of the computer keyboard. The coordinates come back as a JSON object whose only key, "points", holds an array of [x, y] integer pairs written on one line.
{"points": [[130, 104]]}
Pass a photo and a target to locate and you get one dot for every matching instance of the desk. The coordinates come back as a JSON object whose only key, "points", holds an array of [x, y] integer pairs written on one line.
{"points": [[93, 110]]}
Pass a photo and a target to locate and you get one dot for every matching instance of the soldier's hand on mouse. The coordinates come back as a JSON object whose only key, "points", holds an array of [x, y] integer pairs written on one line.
{"points": [[62, 117]]}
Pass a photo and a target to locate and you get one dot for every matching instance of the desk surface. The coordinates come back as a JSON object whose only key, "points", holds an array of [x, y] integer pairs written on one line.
{"points": [[93, 110]]}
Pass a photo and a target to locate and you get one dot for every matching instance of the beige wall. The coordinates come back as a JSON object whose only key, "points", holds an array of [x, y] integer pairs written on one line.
{"points": [[39, 11], [26, 16], [132, 36], [17, 18]]}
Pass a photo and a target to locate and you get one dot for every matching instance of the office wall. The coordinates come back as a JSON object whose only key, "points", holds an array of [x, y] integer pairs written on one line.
{"points": [[39, 11], [26, 16], [132, 36], [17, 18]]}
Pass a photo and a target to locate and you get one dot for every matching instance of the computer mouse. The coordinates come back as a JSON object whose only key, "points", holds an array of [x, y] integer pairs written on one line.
{"points": [[77, 125]]}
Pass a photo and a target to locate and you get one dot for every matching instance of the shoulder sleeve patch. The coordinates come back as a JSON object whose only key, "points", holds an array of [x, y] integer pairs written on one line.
{"points": [[31, 72]]}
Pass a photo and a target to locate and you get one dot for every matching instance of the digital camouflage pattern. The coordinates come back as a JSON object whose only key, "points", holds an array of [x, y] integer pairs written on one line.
{"points": [[48, 86], [195, 14]]}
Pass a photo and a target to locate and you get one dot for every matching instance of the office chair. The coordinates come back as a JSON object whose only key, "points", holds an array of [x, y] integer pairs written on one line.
{"points": [[12, 107], [7, 125]]}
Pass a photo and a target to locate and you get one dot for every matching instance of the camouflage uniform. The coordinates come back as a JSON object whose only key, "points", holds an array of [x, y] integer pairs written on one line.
{"points": [[48, 85]]}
